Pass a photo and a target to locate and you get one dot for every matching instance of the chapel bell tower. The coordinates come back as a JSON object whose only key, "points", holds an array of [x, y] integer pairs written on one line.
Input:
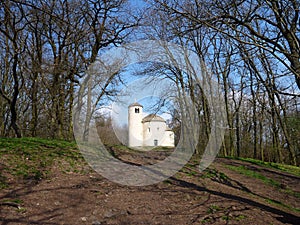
{"points": [[135, 126]]}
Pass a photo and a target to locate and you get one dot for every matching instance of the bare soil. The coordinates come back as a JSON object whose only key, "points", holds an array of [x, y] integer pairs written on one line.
{"points": [[219, 195]]}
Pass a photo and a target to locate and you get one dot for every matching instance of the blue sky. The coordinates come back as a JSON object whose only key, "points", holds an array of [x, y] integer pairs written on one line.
{"points": [[142, 91]]}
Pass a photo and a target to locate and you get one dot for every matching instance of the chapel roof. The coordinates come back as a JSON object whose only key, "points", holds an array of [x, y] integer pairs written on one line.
{"points": [[153, 117], [168, 129]]}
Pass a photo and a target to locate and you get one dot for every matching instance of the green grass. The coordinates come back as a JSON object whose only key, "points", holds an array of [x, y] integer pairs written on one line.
{"points": [[119, 147], [17, 201], [240, 217], [274, 202], [3, 182], [250, 173], [213, 209], [168, 181], [162, 148], [226, 217], [295, 170], [213, 173], [206, 220], [32, 158], [13, 143], [191, 173]]}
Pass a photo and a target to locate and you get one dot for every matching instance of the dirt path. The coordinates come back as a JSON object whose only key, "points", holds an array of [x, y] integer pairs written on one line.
{"points": [[220, 195]]}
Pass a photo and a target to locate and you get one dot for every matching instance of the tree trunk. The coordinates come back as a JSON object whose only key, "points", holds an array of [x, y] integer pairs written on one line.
{"points": [[237, 121], [254, 116], [34, 107], [88, 112], [13, 103]]}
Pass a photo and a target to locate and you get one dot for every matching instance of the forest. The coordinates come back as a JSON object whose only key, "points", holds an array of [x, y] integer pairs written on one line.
{"points": [[251, 47]]}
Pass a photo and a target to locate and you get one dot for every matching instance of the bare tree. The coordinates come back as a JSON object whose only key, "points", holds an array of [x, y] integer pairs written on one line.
{"points": [[46, 49], [270, 25], [12, 30], [254, 70]]}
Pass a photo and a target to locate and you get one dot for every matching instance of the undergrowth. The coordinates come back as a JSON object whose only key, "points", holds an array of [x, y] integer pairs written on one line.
{"points": [[295, 170]]}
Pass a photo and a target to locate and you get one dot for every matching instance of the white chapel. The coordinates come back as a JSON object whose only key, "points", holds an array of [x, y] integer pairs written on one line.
{"points": [[151, 130]]}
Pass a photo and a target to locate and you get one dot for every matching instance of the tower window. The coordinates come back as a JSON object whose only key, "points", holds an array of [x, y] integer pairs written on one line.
{"points": [[149, 129], [137, 110]]}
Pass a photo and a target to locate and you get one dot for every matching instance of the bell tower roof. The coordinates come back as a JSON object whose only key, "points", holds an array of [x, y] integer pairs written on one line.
{"points": [[135, 104]]}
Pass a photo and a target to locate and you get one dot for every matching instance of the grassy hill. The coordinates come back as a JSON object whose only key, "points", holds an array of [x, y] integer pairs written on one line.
{"points": [[33, 158]]}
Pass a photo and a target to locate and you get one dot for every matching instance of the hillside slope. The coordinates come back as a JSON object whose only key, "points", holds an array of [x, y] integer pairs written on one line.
{"points": [[48, 182]]}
